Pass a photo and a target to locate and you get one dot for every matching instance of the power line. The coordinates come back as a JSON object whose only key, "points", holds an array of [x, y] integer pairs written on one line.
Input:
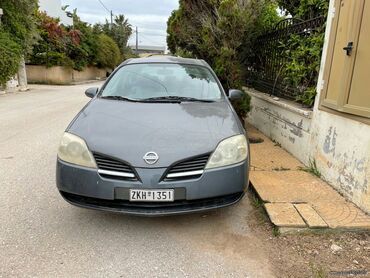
{"points": [[109, 11], [105, 7]]}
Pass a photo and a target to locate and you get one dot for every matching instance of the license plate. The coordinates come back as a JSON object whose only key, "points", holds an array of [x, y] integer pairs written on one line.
{"points": [[140, 195]]}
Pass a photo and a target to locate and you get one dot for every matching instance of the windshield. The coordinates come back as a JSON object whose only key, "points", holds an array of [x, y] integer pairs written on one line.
{"points": [[161, 81]]}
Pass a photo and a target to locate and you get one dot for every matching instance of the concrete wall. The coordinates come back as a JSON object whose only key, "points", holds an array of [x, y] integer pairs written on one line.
{"points": [[283, 121], [339, 145], [341, 148], [62, 75]]}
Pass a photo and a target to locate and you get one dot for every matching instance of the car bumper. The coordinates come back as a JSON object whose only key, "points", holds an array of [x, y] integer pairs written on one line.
{"points": [[216, 188]]}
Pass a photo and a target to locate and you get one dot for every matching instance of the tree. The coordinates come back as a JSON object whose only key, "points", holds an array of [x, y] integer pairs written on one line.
{"points": [[74, 46], [108, 54], [18, 20], [304, 9], [17, 33], [218, 31], [222, 33], [10, 53], [120, 31]]}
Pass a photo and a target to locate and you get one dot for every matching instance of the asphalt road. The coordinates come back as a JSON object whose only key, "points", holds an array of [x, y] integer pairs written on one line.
{"points": [[43, 236]]}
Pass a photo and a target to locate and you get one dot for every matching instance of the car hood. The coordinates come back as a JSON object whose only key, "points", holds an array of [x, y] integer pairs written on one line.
{"points": [[175, 131]]}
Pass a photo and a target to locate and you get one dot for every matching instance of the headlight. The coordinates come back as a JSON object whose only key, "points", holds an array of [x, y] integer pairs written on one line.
{"points": [[74, 150], [230, 151]]}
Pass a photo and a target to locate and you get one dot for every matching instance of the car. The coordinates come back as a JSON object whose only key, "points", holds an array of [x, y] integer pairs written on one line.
{"points": [[160, 137]]}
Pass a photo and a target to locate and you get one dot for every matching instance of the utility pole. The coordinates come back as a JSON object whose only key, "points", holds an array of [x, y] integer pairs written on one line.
{"points": [[137, 41], [111, 20]]}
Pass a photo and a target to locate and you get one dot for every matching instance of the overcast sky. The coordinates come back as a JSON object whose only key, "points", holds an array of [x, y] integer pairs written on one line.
{"points": [[149, 15]]}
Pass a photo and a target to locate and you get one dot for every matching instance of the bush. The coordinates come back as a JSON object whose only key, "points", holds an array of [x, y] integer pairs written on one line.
{"points": [[221, 32], [79, 46], [10, 53], [16, 34], [108, 54], [303, 55], [242, 106]]}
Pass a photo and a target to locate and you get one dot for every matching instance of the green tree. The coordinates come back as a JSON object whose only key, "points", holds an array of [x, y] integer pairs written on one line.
{"points": [[120, 31], [218, 31], [82, 52], [74, 46], [108, 54], [304, 9], [17, 32], [18, 20], [10, 53]]}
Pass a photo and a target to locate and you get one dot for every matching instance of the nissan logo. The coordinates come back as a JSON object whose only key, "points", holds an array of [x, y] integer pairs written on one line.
{"points": [[151, 158]]}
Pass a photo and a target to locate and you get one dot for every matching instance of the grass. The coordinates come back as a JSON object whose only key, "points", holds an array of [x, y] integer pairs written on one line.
{"points": [[256, 201], [312, 168], [275, 231], [281, 168]]}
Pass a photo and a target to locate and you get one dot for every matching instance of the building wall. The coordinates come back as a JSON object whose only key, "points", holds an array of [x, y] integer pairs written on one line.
{"points": [[54, 9], [339, 145]]}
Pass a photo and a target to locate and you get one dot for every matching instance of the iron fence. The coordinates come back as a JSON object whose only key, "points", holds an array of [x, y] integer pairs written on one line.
{"points": [[265, 65]]}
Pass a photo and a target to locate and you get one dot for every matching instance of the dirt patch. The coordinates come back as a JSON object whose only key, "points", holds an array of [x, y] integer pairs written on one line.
{"points": [[319, 254], [255, 140]]}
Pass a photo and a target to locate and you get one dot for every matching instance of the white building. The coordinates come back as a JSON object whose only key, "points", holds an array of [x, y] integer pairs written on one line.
{"points": [[144, 50], [54, 9]]}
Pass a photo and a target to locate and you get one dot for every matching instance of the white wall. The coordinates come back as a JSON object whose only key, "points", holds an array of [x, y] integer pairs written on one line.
{"points": [[340, 146], [282, 121], [54, 9]]}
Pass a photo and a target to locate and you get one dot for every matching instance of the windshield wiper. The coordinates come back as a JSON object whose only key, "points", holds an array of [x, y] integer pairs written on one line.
{"points": [[120, 98], [175, 99]]}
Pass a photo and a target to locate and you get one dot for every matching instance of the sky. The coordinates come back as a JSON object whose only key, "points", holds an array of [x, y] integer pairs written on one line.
{"points": [[150, 16]]}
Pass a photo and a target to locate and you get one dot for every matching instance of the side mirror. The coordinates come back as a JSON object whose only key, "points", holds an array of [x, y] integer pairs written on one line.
{"points": [[235, 94], [91, 92]]}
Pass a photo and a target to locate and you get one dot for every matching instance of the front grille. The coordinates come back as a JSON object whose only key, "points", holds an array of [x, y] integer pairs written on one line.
{"points": [[150, 208], [187, 169], [114, 168]]}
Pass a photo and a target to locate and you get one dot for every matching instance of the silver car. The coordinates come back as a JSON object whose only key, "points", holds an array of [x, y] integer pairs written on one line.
{"points": [[160, 137]]}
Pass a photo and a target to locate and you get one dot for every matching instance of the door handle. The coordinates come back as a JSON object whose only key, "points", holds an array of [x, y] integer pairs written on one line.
{"points": [[348, 48]]}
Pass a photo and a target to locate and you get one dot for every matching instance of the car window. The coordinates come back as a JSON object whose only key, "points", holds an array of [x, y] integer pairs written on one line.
{"points": [[143, 81]]}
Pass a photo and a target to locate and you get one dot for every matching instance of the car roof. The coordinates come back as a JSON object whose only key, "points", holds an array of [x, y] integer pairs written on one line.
{"points": [[166, 59]]}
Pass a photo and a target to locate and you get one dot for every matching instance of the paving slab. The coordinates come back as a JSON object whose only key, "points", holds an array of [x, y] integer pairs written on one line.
{"points": [[284, 215], [276, 177], [269, 155], [310, 216]]}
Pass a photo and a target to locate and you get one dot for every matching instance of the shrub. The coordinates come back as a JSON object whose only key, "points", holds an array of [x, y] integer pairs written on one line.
{"points": [[242, 106], [10, 53], [221, 32], [75, 47], [16, 34], [108, 54]]}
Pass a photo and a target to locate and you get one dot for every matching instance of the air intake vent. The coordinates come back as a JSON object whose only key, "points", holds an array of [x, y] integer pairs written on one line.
{"points": [[114, 168], [187, 169]]}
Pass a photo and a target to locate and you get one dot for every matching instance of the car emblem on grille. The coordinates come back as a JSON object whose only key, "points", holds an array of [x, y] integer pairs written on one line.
{"points": [[151, 158]]}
